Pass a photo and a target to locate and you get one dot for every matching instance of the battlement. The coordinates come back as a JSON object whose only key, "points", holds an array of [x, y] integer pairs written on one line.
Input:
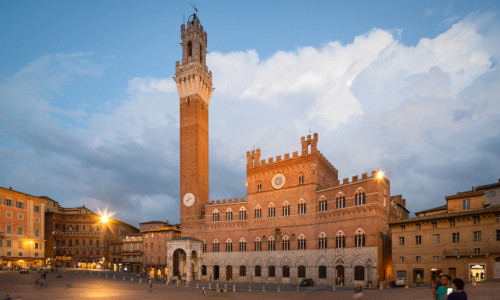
{"points": [[193, 25], [254, 160], [356, 178], [228, 201]]}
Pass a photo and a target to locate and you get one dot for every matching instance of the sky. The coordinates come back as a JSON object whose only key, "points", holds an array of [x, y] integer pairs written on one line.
{"points": [[89, 112]]}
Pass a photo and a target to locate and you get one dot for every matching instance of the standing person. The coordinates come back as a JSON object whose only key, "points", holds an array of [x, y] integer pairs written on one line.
{"points": [[482, 275], [445, 288], [459, 293], [150, 287], [358, 293], [204, 290], [436, 285]]}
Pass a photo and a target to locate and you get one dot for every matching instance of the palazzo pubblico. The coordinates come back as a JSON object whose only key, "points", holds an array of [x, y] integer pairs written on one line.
{"points": [[298, 219]]}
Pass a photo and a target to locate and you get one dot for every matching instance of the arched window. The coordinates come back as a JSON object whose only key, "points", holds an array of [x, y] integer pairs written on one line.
{"points": [[215, 246], [271, 271], [360, 198], [258, 271], [322, 271], [271, 211], [229, 214], [203, 270], [322, 241], [286, 209], [286, 243], [229, 245], [258, 212], [301, 242], [243, 213], [323, 204], [359, 238], [243, 245], [340, 201], [258, 244], [301, 179], [359, 273], [302, 207], [189, 49], [271, 244], [215, 215], [302, 272], [286, 271], [340, 240], [204, 246], [243, 271]]}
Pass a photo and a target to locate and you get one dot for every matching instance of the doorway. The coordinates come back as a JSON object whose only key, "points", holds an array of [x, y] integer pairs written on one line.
{"points": [[497, 267], [216, 272], [340, 274], [229, 273]]}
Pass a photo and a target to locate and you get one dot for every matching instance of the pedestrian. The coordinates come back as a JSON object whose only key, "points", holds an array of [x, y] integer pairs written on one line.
{"points": [[150, 287], [459, 293], [204, 290], [436, 285], [358, 293], [482, 275], [445, 288]]}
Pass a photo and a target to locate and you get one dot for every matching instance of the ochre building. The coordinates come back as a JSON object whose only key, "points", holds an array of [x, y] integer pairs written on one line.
{"points": [[298, 220], [21, 229], [460, 239]]}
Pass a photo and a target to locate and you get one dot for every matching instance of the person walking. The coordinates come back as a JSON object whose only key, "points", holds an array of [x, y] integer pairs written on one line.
{"points": [[358, 293], [459, 293], [445, 288]]}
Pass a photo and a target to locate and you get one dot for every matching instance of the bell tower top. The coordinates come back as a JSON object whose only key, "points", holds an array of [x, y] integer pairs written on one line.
{"points": [[192, 75]]}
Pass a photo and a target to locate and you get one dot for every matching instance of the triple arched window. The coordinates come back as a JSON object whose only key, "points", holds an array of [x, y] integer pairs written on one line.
{"points": [[286, 243], [215, 246], [271, 211], [258, 244], [340, 240], [271, 244], [340, 201], [302, 207], [215, 215], [243, 245], [359, 238], [229, 214], [360, 198], [323, 204], [243, 213], [301, 242], [322, 241], [286, 209], [229, 245]]}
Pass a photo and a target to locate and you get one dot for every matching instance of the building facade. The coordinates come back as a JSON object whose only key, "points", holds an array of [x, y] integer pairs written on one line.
{"points": [[155, 235], [78, 237], [21, 229], [460, 239], [298, 219], [131, 253]]}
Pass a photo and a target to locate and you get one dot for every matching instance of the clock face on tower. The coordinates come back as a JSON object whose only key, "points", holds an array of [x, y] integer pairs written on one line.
{"points": [[278, 181], [188, 199]]}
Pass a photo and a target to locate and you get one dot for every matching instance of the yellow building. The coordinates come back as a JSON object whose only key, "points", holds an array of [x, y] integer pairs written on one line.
{"points": [[460, 239]]}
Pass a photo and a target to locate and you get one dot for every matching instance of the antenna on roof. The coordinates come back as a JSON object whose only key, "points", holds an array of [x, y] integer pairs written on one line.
{"points": [[309, 130]]}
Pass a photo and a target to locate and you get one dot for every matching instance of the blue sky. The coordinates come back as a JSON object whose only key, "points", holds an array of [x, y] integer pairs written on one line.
{"points": [[89, 112]]}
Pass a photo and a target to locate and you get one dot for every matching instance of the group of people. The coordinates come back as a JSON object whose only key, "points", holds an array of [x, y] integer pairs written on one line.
{"points": [[445, 288]]}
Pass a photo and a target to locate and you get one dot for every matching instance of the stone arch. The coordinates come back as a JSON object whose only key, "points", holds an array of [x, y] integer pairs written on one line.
{"points": [[242, 262], [229, 209], [285, 261], [257, 261], [301, 261], [243, 208], [339, 260], [228, 262], [322, 260], [358, 260], [271, 262], [215, 261]]}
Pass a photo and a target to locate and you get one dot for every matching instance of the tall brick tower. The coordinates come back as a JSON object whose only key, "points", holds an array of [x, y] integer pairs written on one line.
{"points": [[194, 84]]}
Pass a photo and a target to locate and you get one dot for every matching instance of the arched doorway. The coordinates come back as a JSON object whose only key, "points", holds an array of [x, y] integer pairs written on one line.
{"points": [[216, 272], [179, 263], [229, 273], [340, 274]]}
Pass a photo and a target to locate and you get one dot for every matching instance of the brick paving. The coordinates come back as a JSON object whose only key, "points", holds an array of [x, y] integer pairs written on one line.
{"points": [[22, 286]]}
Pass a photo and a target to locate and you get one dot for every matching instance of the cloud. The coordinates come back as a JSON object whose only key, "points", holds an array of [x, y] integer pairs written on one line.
{"points": [[428, 114]]}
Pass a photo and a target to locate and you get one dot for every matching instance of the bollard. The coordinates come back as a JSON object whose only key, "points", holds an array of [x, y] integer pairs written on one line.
{"points": [[131, 279], [407, 286], [114, 276], [123, 277], [333, 288], [177, 282], [217, 287], [249, 289], [197, 286], [263, 288], [187, 284], [106, 275], [225, 288], [278, 288], [234, 288], [342, 284], [298, 289], [209, 286], [166, 282], [381, 286], [140, 280]]}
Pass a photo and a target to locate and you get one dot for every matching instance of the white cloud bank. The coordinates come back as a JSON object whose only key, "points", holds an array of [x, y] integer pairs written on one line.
{"points": [[428, 114]]}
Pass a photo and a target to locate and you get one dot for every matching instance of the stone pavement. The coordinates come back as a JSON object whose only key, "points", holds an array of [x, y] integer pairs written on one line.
{"points": [[93, 287]]}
